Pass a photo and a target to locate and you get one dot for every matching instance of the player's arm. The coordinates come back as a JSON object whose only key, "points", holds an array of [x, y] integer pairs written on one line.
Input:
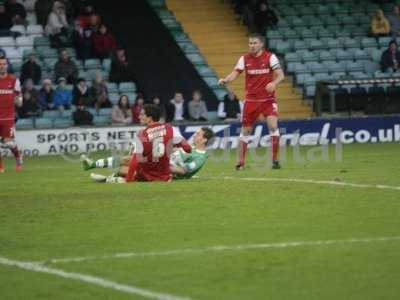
{"points": [[234, 74], [179, 141], [178, 170], [18, 96], [277, 74]]}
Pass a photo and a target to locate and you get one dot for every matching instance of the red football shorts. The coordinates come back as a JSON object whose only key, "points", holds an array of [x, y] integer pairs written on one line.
{"points": [[253, 110], [7, 129]]}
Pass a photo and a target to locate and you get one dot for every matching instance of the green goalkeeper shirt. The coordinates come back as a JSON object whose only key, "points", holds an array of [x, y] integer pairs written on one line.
{"points": [[192, 163]]}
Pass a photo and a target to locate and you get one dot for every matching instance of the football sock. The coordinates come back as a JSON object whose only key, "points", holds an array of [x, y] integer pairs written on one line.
{"points": [[275, 144], [243, 142], [108, 162], [12, 146]]}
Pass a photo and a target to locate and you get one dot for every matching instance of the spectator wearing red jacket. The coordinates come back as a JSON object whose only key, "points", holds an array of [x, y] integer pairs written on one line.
{"points": [[85, 17], [104, 42]]}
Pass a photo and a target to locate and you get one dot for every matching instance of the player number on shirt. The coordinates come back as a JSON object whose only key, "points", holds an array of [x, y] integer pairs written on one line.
{"points": [[158, 147]]}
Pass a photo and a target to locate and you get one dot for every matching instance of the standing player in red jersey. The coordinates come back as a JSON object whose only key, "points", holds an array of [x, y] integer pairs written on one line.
{"points": [[153, 146], [263, 74], [10, 95]]}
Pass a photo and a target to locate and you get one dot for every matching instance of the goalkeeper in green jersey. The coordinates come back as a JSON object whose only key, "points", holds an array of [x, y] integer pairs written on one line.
{"points": [[183, 165]]}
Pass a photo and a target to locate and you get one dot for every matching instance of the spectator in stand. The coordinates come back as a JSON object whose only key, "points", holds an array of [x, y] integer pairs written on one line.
{"points": [[120, 69], [31, 70], [379, 25], [121, 113], [99, 93], [394, 21], [81, 116], [137, 108], [30, 106], [62, 96], [88, 17], [17, 12], [104, 42], [390, 58], [197, 108], [229, 109], [57, 27], [42, 10], [93, 23], [81, 93], [264, 17], [179, 104], [46, 95], [5, 21], [65, 67], [82, 42], [157, 101]]}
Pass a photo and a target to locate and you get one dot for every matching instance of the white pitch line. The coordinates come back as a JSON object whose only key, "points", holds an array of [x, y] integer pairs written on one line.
{"points": [[312, 181], [220, 248], [29, 266]]}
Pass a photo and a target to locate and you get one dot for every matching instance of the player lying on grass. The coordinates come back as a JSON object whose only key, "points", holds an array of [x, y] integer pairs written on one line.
{"points": [[184, 162]]}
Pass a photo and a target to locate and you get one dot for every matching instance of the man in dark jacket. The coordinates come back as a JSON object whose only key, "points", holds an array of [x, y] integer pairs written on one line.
{"points": [[30, 69], [390, 59], [65, 67]]}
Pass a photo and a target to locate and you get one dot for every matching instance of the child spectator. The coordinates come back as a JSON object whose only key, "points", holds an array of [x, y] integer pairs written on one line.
{"points": [[121, 113], [197, 108], [81, 116]]}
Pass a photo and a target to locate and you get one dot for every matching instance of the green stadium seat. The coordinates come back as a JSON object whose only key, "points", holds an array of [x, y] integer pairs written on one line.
{"points": [[284, 47], [196, 59], [297, 22], [171, 24], [376, 55], [316, 67], [67, 114], [355, 66], [62, 123], [350, 43], [290, 34], [188, 47], [317, 44], [300, 45], [131, 96], [211, 81], [292, 57], [127, 87], [334, 43], [42, 123], [337, 67], [41, 41], [313, 21], [112, 87], [370, 67], [92, 63], [322, 76], [299, 68], [341, 32], [360, 54], [307, 56], [326, 55], [101, 120], [24, 124], [325, 33], [302, 78], [383, 42], [212, 115], [338, 75], [49, 63], [307, 33], [51, 114], [46, 52], [205, 70], [275, 34], [106, 64], [113, 97], [180, 36], [105, 112], [358, 75], [220, 93], [368, 42]]}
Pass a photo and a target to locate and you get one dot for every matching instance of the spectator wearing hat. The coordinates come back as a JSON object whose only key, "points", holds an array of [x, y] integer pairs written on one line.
{"points": [[31, 70], [390, 58], [81, 93], [62, 96], [66, 68], [46, 95]]}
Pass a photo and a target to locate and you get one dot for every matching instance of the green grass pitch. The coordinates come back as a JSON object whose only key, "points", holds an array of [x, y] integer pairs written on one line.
{"points": [[53, 210]]}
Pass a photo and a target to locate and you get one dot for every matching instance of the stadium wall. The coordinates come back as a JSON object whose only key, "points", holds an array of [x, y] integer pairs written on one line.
{"points": [[322, 131]]}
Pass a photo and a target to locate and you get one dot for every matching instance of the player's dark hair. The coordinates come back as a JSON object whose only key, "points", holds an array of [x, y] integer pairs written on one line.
{"points": [[153, 111], [258, 36], [208, 134]]}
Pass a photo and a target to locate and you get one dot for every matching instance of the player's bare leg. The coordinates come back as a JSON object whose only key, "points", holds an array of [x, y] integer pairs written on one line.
{"points": [[272, 123], [109, 162], [12, 146], [2, 170], [243, 142]]}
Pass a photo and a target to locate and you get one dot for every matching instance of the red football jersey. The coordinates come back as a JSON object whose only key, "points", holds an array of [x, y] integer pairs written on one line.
{"points": [[157, 141], [259, 73], [9, 89]]}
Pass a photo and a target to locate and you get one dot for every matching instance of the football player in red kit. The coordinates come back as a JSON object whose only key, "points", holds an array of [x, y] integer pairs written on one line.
{"points": [[152, 149], [10, 95], [263, 74]]}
